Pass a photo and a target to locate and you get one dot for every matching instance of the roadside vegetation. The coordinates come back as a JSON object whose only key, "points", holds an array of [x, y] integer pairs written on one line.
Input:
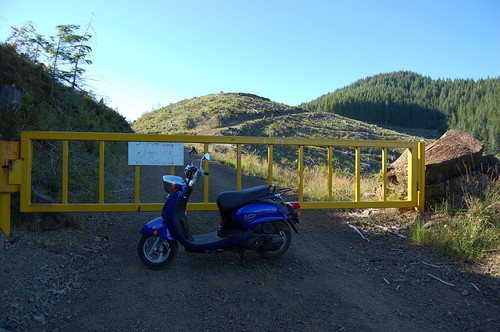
{"points": [[468, 233]]}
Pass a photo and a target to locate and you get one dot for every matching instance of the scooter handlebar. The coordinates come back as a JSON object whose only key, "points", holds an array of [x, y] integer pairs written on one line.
{"points": [[192, 172]]}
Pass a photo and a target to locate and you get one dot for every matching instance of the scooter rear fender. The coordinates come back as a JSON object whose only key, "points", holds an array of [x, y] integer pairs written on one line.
{"points": [[157, 227], [253, 214]]}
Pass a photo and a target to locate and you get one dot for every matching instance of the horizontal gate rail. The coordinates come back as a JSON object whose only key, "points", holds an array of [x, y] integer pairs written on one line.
{"points": [[416, 170]]}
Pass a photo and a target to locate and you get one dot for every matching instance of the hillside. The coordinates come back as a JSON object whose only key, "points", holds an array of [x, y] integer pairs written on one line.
{"points": [[209, 114], [30, 100], [410, 100], [45, 105], [242, 114], [250, 115]]}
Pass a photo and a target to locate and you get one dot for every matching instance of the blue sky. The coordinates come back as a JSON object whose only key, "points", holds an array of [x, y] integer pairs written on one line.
{"points": [[148, 54]]}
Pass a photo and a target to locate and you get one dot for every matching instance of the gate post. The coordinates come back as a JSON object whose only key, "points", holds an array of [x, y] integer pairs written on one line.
{"points": [[9, 180], [421, 177]]}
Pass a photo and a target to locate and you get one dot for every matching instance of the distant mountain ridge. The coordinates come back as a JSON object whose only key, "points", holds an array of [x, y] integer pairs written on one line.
{"points": [[410, 100]]}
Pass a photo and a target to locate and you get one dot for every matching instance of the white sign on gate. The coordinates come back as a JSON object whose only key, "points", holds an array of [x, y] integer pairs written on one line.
{"points": [[155, 153]]}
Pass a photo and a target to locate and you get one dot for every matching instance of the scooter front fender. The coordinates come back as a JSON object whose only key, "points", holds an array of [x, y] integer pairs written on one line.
{"points": [[157, 227]]}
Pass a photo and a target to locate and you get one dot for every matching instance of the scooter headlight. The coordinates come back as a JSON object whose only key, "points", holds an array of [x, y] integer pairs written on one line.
{"points": [[170, 187], [172, 183]]}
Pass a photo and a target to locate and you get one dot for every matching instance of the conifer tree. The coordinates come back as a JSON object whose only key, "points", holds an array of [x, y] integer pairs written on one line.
{"points": [[68, 51]]}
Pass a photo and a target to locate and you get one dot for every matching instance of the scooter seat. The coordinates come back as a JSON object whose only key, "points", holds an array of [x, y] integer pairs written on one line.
{"points": [[228, 200]]}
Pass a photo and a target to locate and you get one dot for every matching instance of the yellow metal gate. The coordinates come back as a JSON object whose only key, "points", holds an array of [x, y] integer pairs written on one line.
{"points": [[17, 166]]}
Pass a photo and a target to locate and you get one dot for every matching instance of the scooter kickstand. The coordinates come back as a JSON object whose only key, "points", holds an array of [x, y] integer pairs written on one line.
{"points": [[241, 255]]}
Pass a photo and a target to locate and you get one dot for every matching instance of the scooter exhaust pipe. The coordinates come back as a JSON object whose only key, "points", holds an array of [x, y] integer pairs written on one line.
{"points": [[265, 242]]}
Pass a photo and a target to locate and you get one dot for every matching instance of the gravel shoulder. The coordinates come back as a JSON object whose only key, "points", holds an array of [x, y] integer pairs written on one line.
{"points": [[90, 279]]}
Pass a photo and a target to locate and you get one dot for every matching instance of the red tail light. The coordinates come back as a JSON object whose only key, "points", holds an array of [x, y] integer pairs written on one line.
{"points": [[295, 205]]}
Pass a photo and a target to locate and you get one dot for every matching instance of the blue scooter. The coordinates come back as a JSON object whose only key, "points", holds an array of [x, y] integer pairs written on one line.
{"points": [[256, 218]]}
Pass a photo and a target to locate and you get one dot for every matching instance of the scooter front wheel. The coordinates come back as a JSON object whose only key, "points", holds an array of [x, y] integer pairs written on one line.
{"points": [[156, 252]]}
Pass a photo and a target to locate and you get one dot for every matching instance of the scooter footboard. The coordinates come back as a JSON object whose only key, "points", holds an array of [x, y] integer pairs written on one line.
{"points": [[157, 227]]}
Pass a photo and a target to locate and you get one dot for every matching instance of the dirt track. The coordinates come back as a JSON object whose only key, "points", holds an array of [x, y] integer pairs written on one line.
{"points": [[330, 280]]}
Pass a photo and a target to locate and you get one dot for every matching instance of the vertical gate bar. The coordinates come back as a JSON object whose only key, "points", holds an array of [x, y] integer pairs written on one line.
{"points": [[301, 173], [330, 174], [421, 178], [27, 155], [411, 177], [137, 189], [415, 176], [238, 166], [5, 199], [270, 164], [65, 172], [101, 172], [357, 190], [205, 178], [384, 174], [172, 170]]}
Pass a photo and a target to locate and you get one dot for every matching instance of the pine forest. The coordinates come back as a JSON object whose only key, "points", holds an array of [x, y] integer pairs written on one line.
{"points": [[409, 100]]}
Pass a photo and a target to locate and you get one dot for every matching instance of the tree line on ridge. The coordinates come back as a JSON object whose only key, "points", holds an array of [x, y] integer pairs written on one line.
{"points": [[409, 100]]}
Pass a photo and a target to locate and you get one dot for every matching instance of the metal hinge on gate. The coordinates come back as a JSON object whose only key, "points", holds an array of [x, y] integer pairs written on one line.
{"points": [[15, 171], [10, 179], [11, 171]]}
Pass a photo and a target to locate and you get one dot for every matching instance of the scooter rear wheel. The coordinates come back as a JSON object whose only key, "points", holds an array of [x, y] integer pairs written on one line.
{"points": [[156, 252], [283, 230]]}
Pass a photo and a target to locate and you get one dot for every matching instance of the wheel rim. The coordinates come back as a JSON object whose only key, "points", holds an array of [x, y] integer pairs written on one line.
{"points": [[283, 237], [281, 247], [156, 249]]}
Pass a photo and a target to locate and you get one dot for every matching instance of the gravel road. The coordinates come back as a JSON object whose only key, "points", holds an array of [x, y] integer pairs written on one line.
{"points": [[91, 279]]}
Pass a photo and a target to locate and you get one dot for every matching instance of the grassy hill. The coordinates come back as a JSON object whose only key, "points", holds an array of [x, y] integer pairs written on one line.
{"points": [[250, 115], [242, 114], [209, 114]]}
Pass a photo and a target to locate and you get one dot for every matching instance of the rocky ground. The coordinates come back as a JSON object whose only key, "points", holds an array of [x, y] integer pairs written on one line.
{"points": [[89, 278]]}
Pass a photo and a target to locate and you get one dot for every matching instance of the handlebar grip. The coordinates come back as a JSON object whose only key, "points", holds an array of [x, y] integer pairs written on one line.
{"points": [[206, 173]]}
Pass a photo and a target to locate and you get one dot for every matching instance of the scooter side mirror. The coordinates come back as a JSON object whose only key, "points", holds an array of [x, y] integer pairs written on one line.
{"points": [[207, 156]]}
